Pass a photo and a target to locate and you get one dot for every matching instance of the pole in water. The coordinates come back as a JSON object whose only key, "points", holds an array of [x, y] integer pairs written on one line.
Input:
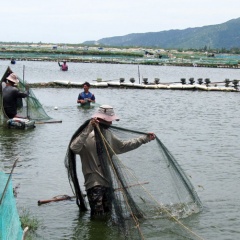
{"points": [[25, 89], [138, 74], [56, 199], [9, 177]]}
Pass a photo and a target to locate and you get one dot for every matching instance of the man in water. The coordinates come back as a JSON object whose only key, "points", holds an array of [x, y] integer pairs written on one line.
{"points": [[11, 95], [63, 66], [86, 97], [87, 143]]}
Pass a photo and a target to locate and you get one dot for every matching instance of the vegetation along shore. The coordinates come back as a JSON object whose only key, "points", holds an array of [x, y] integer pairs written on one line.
{"points": [[118, 55]]}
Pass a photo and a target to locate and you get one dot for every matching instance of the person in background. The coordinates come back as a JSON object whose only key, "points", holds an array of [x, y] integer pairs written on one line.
{"points": [[85, 143], [63, 66], [13, 61], [11, 95], [86, 97]]}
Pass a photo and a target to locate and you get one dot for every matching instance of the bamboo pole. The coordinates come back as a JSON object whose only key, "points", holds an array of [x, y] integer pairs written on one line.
{"points": [[9, 177]]}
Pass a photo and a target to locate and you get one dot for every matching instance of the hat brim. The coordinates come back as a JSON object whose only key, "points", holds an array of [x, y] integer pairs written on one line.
{"points": [[12, 80], [106, 117]]}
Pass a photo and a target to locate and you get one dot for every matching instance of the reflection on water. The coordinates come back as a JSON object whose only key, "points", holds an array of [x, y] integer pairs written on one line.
{"points": [[201, 129]]}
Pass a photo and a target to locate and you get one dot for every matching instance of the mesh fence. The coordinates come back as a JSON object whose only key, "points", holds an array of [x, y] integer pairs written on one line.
{"points": [[10, 225]]}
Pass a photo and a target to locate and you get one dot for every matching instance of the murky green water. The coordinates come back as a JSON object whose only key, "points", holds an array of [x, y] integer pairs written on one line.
{"points": [[201, 129]]}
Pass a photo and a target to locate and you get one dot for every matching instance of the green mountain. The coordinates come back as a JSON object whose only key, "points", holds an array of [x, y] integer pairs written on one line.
{"points": [[225, 35]]}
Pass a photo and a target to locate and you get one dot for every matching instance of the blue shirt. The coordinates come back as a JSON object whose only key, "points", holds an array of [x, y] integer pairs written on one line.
{"points": [[84, 95]]}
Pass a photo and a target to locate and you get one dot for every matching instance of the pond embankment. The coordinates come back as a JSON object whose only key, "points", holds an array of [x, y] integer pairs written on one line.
{"points": [[95, 54], [154, 86]]}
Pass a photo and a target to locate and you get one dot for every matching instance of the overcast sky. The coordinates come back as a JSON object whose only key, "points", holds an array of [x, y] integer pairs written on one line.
{"points": [[76, 21]]}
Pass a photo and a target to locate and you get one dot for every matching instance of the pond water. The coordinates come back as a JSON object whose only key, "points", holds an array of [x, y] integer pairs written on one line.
{"points": [[201, 129]]}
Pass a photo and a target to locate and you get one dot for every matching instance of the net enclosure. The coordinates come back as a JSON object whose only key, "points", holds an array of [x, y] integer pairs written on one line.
{"points": [[10, 225], [28, 107], [149, 191]]}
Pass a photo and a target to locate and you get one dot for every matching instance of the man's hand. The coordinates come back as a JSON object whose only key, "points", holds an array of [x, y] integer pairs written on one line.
{"points": [[151, 136], [94, 122]]}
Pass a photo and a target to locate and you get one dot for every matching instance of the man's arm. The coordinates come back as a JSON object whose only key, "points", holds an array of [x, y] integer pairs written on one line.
{"points": [[80, 99], [93, 98], [20, 94], [77, 144], [120, 146]]}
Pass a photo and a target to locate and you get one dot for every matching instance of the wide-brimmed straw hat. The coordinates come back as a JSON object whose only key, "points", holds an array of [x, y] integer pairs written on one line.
{"points": [[106, 113], [13, 78]]}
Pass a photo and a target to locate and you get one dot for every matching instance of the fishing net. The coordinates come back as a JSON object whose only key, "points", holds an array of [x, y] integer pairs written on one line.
{"points": [[149, 193], [10, 225], [28, 107]]}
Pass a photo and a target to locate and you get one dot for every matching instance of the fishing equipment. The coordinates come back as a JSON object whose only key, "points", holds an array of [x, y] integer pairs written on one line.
{"points": [[29, 107], [149, 191], [20, 123], [10, 225], [56, 199]]}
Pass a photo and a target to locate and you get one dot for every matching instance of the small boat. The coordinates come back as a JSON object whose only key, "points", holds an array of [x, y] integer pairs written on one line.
{"points": [[20, 123]]}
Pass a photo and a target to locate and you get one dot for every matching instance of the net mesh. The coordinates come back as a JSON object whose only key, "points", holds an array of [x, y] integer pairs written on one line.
{"points": [[10, 225], [28, 107], [150, 193]]}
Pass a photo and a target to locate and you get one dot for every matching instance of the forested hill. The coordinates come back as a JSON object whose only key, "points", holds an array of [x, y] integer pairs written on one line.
{"points": [[219, 36]]}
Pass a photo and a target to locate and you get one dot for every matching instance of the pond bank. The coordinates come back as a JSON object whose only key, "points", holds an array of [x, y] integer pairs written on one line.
{"points": [[137, 61], [179, 86]]}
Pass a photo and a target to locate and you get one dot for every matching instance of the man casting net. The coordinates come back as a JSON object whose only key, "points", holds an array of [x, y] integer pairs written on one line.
{"points": [[131, 184]]}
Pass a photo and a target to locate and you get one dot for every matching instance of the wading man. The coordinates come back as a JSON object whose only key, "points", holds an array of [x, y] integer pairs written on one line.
{"points": [[11, 96], [88, 144]]}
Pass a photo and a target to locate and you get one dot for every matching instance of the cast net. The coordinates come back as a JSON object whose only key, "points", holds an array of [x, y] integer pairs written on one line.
{"points": [[10, 225], [150, 193], [28, 107]]}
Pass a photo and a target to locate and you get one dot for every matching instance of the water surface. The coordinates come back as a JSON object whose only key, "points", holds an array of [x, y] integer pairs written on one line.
{"points": [[201, 129]]}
